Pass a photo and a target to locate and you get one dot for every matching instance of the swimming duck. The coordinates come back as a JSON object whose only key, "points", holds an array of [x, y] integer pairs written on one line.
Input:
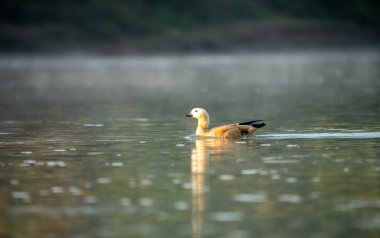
{"points": [[231, 131]]}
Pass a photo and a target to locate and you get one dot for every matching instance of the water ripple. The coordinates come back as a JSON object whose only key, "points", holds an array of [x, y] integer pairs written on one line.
{"points": [[338, 135]]}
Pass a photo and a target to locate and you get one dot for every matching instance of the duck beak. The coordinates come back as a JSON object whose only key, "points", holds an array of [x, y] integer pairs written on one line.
{"points": [[189, 115]]}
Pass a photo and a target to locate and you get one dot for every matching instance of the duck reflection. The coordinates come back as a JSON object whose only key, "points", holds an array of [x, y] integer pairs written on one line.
{"points": [[199, 162]]}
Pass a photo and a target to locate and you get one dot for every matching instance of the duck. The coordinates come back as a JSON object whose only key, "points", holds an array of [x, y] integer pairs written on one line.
{"points": [[230, 131]]}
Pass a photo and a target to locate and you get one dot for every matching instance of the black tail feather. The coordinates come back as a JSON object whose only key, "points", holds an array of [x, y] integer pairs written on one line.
{"points": [[256, 123], [249, 122]]}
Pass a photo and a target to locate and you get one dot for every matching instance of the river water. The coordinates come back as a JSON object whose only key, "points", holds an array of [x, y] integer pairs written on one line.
{"points": [[99, 146]]}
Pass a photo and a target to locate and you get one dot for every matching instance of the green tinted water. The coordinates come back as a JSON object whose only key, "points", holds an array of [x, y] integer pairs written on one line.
{"points": [[99, 147]]}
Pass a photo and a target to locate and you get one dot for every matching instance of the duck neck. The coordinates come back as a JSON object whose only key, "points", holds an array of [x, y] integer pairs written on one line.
{"points": [[203, 122]]}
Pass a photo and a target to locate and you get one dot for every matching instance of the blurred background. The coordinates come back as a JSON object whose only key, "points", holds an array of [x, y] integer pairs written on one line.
{"points": [[156, 26], [93, 142]]}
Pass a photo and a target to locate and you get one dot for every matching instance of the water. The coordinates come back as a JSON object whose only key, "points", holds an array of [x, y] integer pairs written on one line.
{"points": [[99, 147]]}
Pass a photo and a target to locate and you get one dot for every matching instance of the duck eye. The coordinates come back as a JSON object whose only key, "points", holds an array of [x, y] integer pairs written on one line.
{"points": [[196, 110]]}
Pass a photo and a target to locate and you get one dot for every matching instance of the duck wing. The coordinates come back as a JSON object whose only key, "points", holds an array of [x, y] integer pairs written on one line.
{"points": [[232, 131], [222, 131]]}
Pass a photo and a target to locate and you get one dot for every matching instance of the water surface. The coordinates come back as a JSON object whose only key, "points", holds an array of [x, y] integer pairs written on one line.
{"points": [[99, 147]]}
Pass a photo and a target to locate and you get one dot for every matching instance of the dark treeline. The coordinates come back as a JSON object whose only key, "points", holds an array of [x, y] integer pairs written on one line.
{"points": [[106, 20]]}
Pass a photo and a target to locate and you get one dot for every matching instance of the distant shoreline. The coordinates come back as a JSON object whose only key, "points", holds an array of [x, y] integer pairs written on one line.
{"points": [[11, 58], [75, 59], [239, 37]]}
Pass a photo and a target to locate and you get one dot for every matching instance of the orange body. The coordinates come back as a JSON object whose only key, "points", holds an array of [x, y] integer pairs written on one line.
{"points": [[231, 131]]}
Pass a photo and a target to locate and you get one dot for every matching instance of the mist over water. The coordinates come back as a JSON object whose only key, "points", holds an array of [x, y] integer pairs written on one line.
{"points": [[96, 147], [259, 83]]}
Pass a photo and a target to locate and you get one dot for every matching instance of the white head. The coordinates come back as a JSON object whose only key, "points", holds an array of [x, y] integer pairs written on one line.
{"points": [[203, 119], [197, 113]]}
